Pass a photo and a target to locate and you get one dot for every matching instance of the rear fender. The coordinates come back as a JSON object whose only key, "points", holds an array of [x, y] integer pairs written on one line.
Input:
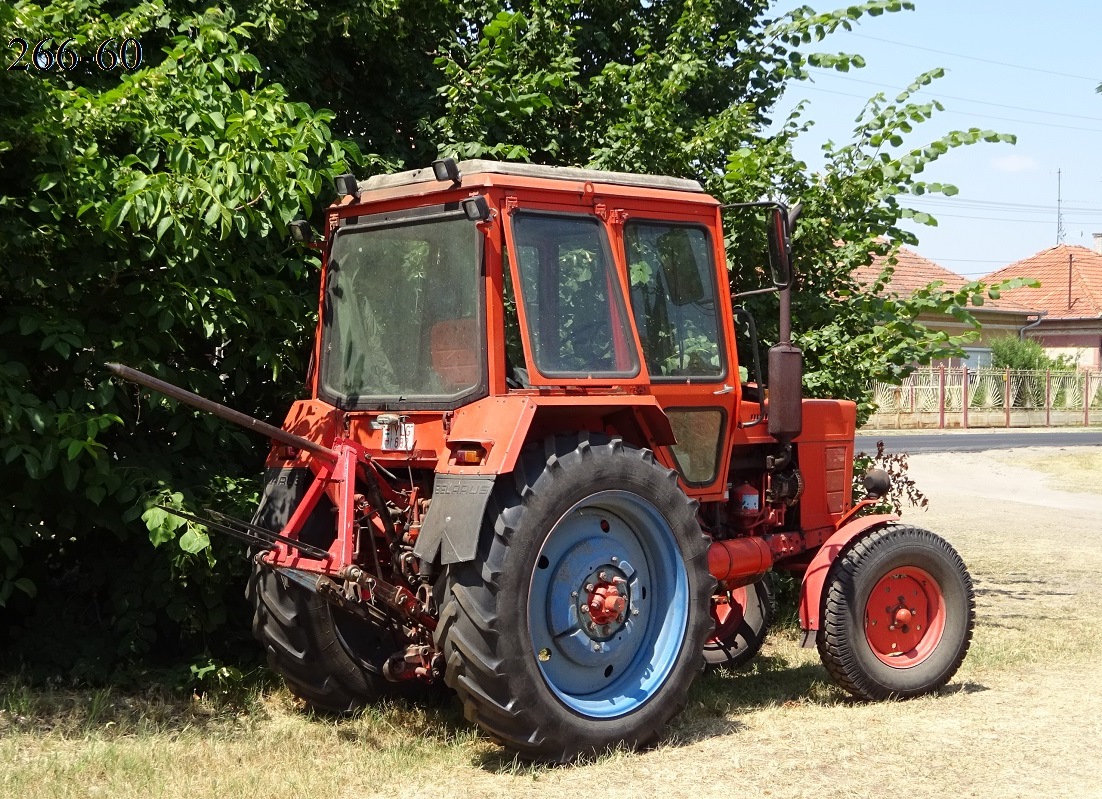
{"points": [[811, 592], [501, 426]]}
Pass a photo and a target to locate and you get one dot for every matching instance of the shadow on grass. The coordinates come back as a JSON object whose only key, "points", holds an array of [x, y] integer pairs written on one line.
{"points": [[430, 722], [963, 688], [713, 699], [1025, 594], [716, 701]]}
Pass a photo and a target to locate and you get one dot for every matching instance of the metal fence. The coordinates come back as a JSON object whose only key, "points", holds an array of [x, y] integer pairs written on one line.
{"points": [[961, 398]]}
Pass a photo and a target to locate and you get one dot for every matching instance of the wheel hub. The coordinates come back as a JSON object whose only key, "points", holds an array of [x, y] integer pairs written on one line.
{"points": [[604, 602], [904, 617]]}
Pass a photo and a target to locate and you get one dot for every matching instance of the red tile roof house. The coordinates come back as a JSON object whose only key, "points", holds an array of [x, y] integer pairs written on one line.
{"points": [[1070, 297], [996, 317], [917, 404]]}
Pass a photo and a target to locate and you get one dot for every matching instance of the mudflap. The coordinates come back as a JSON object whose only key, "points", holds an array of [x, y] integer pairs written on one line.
{"points": [[454, 518]]}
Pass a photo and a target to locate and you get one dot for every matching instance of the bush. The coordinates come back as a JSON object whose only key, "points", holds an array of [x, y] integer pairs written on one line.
{"points": [[1011, 352]]}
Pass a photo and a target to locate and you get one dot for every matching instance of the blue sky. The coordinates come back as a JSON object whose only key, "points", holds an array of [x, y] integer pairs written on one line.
{"points": [[1030, 69]]}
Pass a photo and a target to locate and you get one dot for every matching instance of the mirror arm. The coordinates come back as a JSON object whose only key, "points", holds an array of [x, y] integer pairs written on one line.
{"points": [[758, 204], [741, 294]]}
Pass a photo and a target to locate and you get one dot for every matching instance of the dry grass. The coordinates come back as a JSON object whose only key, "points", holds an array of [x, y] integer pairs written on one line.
{"points": [[1022, 719], [1076, 470]]}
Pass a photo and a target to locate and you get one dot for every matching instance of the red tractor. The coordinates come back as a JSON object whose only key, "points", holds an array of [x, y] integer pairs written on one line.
{"points": [[529, 468]]}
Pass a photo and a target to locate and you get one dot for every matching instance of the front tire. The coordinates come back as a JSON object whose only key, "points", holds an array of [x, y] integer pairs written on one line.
{"points": [[898, 614], [580, 624]]}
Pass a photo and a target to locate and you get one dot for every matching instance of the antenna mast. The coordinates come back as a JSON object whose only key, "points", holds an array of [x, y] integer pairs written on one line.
{"points": [[1059, 208]]}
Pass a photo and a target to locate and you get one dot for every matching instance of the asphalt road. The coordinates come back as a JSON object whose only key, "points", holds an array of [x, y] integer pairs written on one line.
{"points": [[977, 441]]}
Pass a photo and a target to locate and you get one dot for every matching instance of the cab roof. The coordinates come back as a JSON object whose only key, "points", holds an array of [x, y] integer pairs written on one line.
{"points": [[477, 166]]}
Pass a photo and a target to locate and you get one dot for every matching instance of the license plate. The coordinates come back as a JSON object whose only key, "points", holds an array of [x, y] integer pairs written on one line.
{"points": [[398, 437]]}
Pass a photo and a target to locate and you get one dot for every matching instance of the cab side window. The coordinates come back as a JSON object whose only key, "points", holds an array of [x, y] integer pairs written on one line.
{"points": [[577, 325], [673, 300]]}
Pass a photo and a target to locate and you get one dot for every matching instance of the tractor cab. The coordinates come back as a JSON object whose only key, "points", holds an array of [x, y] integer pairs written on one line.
{"points": [[485, 296]]}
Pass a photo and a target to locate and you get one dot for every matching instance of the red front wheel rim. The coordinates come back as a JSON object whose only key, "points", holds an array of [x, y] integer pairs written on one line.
{"points": [[904, 617]]}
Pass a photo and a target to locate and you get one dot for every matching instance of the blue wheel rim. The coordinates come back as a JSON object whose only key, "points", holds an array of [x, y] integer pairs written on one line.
{"points": [[609, 669]]}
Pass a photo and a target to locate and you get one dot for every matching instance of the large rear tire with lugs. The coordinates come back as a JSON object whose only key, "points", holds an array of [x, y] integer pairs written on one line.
{"points": [[580, 624], [334, 664], [898, 614]]}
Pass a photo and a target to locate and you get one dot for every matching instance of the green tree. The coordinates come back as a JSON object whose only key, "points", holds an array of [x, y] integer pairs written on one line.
{"points": [[142, 219], [687, 88]]}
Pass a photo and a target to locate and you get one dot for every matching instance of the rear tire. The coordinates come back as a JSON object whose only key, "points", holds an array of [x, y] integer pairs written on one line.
{"points": [[741, 624], [898, 614], [579, 522], [310, 647], [329, 658]]}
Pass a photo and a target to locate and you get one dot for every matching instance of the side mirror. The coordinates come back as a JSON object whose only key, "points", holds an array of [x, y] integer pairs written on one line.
{"points": [[780, 255]]}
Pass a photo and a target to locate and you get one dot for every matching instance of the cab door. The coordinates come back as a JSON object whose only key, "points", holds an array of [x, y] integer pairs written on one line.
{"points": [[679, 308]]}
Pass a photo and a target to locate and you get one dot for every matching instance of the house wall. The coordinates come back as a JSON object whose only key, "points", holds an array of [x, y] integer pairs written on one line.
{"points": [[1080, 340], [1085, 350], [994, 324]]}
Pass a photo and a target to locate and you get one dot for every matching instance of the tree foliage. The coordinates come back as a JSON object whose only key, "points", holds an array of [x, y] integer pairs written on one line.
{"points": [[142, 220], [143, 217], [1011, 352]]}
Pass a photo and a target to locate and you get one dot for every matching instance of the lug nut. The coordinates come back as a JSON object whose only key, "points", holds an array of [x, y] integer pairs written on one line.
{"points": [[589, 586], [603, 577], [585, 608]]}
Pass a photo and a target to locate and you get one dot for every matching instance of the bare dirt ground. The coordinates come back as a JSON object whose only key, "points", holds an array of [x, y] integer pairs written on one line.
{"points": [[1023, 717]]}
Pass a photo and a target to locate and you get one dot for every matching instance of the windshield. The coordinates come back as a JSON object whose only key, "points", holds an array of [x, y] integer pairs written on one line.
{"points": [[402, 314]]}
